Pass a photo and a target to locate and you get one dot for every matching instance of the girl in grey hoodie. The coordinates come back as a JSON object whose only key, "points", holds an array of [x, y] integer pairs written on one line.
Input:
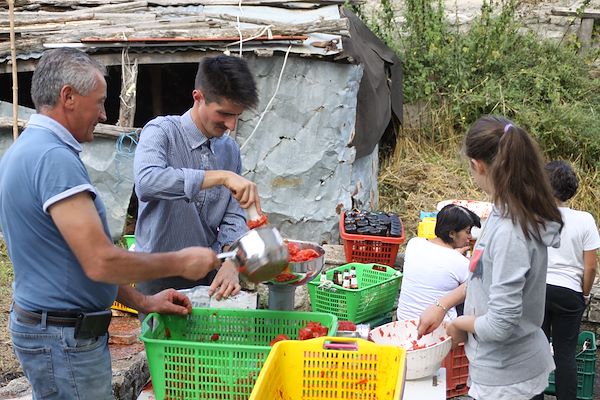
{"points": [[509, 356]]}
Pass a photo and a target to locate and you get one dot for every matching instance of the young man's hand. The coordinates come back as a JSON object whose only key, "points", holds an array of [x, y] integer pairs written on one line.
{"points": [[244, 190], [226, 282]]}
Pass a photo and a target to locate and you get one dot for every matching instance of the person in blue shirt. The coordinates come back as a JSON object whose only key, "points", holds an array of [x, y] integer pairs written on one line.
{"points": [[187, 175], [67, 271]]}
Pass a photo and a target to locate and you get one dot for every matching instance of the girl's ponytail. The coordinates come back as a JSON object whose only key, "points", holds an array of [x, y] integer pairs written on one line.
{"points": [[516, 171]]}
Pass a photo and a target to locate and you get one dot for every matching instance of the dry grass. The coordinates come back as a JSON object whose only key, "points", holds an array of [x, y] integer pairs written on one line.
{"points": [[419, 174]]}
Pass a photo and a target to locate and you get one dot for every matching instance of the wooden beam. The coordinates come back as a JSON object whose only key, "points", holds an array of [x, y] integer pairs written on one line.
{"points": [[569, 12], [101, 129]]}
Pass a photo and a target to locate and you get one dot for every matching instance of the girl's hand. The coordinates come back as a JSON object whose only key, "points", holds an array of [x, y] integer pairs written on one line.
{"points": [[458, 336]]}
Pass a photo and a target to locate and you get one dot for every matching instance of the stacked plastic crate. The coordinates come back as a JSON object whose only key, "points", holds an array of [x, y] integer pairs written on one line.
{"points": [[586, 367]]}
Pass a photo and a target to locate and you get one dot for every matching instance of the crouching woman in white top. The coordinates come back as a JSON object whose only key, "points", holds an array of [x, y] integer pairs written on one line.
{"points": [[434, 267]]}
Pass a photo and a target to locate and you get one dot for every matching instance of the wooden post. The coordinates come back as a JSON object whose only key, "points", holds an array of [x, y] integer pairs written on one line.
{"points": [[15, 81], [127, 98], [585, 34]]}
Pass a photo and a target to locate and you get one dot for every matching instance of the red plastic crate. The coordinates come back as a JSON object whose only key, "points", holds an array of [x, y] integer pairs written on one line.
{"points": [[370, 249], [457, 372]]}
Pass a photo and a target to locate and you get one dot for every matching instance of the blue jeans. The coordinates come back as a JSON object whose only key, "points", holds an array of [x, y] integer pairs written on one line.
{"points": [[57, 365]]}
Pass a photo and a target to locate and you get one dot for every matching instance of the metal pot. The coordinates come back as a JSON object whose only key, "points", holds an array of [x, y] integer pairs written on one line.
{"points": [[259, 254]]}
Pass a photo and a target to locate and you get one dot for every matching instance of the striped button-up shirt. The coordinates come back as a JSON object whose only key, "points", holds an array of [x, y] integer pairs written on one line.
{"points": [[174, 212]]}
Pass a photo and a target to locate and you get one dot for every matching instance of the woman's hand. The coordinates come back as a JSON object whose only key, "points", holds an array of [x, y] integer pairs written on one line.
{"points": [[430, 319]]}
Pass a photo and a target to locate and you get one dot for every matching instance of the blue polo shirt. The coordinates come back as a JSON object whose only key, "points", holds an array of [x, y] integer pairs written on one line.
{"points": [[41, 168]]}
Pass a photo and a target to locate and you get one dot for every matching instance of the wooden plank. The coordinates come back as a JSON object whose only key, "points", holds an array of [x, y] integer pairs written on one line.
{"points": [[570, 12]]}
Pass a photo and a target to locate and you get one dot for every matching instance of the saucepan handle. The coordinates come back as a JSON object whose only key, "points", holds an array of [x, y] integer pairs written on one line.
{"points": [[227, 254]]}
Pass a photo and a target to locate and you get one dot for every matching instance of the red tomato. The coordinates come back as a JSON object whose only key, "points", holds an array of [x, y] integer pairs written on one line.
{"points": [[284, 277], [278, 338], [214, 337], [304, 334], [346, 326], [255, 223]]}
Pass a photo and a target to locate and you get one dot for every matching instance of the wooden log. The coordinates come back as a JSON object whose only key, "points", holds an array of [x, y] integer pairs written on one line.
{"points": [[127, 99], [22, 46], [128, 6], [66, 3], [45, 29], [34, 18]]}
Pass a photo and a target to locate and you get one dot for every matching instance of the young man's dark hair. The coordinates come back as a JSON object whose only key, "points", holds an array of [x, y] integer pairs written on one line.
{"points": [[226, 77], [563, 180], [454, 218]]}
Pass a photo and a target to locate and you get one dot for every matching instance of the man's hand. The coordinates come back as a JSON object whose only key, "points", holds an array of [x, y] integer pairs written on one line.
{"points": [[226, 282], [169, 301], [430, 319], [244, 191], [197, 262]]}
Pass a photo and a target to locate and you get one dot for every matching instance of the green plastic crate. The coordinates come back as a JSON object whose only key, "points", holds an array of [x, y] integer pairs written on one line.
{"points": [[377, 292], [216, 353], [586, 368], [129, 240]]}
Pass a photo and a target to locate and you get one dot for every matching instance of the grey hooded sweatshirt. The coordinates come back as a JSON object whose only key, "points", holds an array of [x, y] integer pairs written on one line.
{"points": [[506, 291]]}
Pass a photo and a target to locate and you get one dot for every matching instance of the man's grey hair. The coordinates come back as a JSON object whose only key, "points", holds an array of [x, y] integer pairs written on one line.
{"points": [[60, 67]]}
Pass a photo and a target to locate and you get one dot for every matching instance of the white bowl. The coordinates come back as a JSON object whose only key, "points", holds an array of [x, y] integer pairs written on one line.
{"points": [[421, 362]]}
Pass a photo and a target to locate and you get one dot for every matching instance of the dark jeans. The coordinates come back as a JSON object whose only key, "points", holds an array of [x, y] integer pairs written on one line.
{"points": [[562, 319]]}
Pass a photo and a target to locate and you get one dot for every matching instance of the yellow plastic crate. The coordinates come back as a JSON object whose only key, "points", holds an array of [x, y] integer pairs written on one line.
{"points": [[332, 368], [122, 307], [426, 228]]}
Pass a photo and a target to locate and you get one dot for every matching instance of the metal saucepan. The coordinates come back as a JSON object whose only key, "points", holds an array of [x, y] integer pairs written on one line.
{"points": [[259, 254]]}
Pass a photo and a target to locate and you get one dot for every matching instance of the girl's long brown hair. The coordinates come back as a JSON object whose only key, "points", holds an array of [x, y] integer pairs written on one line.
{"points": [[516, 170]]}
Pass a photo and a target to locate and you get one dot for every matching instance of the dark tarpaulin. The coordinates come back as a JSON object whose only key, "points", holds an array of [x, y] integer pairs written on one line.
{"points": [[380, 92]]}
